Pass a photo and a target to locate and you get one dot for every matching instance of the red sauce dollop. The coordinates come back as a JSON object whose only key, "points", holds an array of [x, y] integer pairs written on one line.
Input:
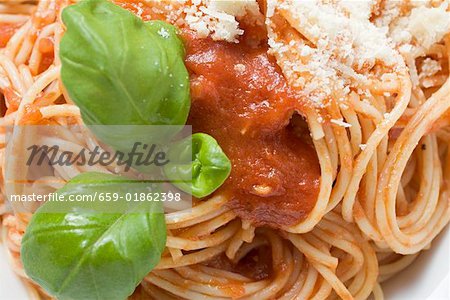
{"points": [[240, 97], [6, 32]]}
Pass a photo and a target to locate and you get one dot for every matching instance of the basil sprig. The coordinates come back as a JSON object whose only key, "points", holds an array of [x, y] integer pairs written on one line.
{"points": [[120, 70], [208, 170], [90, 255]]}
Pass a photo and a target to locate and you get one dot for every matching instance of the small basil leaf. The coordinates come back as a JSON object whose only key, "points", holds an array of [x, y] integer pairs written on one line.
{"points": [[209, 168], [120, 70], [82, 255]]}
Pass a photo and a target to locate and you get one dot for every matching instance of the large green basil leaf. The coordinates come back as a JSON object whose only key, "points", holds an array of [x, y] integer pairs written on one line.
{"points": [[208, 169], [82, 255], [120, 70]]}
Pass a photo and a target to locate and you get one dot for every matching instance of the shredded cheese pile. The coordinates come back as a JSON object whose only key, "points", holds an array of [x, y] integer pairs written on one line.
{"points": [[417, 26], [333, 48], [218, 19]]}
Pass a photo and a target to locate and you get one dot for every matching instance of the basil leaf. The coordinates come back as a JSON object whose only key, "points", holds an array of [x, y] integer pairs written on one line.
{"points": [[120, 70], [82, 255], [209, 168]]}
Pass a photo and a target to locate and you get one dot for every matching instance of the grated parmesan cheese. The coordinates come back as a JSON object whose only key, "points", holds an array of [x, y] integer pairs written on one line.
{"points": [[340, 46], [240, 68], [218, 19], [429, 68], [236, 8], [415, 26], [428, 25], [164, 33]]}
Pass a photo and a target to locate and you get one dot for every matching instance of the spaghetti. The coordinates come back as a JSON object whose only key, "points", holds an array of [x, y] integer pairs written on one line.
{"points": [[376, 94]]}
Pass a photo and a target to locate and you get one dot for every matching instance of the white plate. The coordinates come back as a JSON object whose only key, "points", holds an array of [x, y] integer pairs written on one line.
{"points": [[426, 279], [10, 285]]}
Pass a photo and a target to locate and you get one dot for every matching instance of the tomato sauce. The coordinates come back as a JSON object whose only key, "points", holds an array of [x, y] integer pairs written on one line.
{"points": [[12, 98], [142, 10], [46, 47], [240, 97], [257, 264], [6, 32]]}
